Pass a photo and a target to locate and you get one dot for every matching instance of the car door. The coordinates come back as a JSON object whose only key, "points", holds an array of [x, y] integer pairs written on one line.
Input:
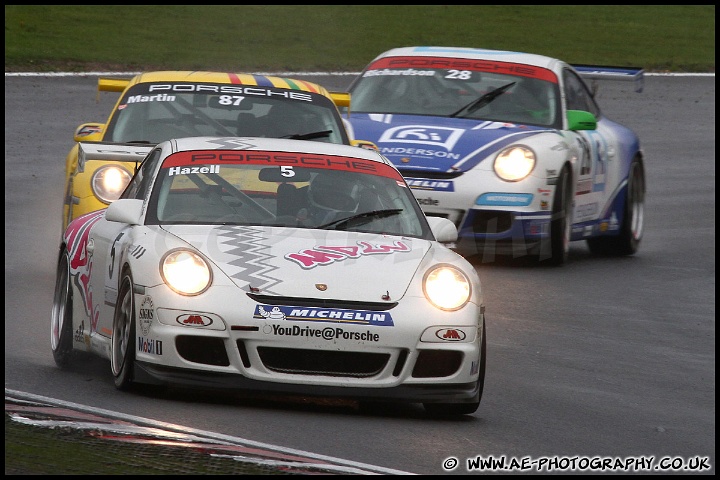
{"points": [[596, 153]]}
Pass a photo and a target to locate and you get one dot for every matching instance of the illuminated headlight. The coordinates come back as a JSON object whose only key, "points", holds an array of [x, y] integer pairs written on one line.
{"points": [[514, 163], [446, 287], [109, 181], [185, 272]]}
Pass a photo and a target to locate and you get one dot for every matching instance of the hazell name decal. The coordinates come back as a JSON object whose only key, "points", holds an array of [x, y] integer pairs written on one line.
{"points": [[189, 170], [327, 254], [465, 64], [313, 314]]}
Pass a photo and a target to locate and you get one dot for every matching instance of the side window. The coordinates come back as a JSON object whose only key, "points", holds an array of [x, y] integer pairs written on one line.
{"points": [[138, 186], [577, 96]]}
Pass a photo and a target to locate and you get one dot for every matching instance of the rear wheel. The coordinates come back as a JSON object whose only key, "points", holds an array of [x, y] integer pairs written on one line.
{"points": [[631, 230], [122, 353], [455, 409], [61, 327]]}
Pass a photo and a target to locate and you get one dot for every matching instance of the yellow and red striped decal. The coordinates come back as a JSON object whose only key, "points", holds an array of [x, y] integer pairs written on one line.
{"points": [[278, 82]]}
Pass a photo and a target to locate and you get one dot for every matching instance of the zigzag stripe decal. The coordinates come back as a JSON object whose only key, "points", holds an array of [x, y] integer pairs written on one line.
{"points": [[246, 243]]}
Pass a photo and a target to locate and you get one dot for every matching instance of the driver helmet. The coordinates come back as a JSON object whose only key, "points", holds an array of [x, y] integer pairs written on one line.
{"points": [[334, 193]]}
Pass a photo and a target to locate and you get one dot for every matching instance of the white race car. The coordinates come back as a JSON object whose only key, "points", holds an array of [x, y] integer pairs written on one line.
{"points": [[273, 265], [512, 147]]}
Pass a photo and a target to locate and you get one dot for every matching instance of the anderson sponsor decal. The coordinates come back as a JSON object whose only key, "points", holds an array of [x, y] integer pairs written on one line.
{"points": [[327, 333], [332, 315], [444, 137]]}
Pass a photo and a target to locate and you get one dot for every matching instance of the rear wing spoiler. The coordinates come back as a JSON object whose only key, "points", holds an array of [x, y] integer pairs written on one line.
{"points": [[595, 72], [109, 151], [112, 84], [341, 99]]}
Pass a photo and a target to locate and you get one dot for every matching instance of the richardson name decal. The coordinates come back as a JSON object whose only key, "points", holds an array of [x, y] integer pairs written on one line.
{"points": [[334, 315], [327, 333]]}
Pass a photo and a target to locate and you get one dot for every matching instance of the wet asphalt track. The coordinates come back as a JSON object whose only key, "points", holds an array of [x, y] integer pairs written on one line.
{"points": [[606, 358]]}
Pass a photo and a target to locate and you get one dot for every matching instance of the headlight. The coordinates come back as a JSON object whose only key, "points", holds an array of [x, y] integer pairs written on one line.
{"points": [[514, 163], [186, 272], [446, 287], [109, 181]]}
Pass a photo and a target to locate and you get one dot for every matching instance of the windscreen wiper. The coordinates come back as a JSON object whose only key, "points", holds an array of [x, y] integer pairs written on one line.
{"points": [[308, 136], [483, 100], [366, 216]]}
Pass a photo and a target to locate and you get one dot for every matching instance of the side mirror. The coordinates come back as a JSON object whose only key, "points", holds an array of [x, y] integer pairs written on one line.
{"points": [[581, 120], [125, 210], [443, 229], [89, 132], [367, 144]]}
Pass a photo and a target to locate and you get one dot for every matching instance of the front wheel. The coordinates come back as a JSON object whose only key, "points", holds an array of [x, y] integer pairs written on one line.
{"points": [[122, 353], [559, 245], [631, 230], [61, 326]]}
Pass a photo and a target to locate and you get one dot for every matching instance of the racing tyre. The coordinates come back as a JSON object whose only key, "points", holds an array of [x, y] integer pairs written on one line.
{"points": [[61, 327], [456, 409], [122, 350], [631, 230], [560, 221]]}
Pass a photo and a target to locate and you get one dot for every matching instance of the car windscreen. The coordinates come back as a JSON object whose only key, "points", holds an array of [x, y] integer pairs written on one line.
{"points": [[152, 112], [479, 90], [284, 189]]}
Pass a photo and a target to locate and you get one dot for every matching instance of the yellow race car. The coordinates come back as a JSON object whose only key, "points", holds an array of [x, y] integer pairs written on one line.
{"points": [[157, 106]]}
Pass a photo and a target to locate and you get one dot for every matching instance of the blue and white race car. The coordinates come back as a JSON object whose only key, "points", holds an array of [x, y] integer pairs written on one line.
{"points": [[512, 147]]}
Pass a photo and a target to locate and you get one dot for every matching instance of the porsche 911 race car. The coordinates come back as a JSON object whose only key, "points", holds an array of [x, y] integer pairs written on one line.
{"points": [[512, 147], [276, 266], [157, 106]]}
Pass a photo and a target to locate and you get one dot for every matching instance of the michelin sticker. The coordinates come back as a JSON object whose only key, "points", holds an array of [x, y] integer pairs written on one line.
{"points": [[330, 315]]}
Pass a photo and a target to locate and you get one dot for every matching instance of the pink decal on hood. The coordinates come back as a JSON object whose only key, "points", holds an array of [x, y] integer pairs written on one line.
{"points": [[327, 254]]}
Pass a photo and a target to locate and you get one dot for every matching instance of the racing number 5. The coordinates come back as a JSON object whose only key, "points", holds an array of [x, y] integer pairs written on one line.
{"points": [[286, 171]]}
